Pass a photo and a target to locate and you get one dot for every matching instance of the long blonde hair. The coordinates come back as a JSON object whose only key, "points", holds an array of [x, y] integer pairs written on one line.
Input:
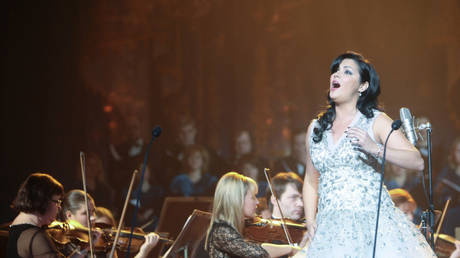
{"points": [[229, 200]]}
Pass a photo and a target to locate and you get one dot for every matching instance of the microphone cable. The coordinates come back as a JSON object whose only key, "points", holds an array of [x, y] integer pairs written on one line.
{"points": [[394, 126]]}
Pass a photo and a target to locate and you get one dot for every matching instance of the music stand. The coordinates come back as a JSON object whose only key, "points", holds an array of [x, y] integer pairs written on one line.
{"points": [[176, 210], [192, 233], [174, 213]]}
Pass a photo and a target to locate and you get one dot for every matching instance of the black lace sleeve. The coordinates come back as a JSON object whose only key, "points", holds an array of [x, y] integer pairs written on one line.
{"points": [[227, 240], [36, 243]]}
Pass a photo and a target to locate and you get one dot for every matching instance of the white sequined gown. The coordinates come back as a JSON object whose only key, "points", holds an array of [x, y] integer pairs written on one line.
{"points": [[347, 206]]}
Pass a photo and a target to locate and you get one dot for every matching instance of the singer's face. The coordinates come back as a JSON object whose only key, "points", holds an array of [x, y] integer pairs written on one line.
{"points": [[345, 82]]}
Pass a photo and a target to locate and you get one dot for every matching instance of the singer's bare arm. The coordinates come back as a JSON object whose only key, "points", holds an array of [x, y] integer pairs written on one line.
{"points": [[399, 150], [310, 189]]}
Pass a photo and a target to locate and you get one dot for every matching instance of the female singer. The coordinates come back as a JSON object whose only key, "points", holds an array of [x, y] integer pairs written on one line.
{"points": [[73, 208], [341, 186], [234, 200], [38, 201]]}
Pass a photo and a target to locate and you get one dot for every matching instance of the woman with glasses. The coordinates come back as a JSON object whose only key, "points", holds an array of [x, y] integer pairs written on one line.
{"points": [[38, 202]]}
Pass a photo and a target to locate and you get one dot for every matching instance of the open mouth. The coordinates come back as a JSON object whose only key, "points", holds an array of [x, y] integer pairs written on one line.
{"points": [[335, 85]]}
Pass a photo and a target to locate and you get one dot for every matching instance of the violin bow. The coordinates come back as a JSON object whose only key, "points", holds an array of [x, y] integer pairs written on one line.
{"points": [[283, 223], [117, 235], [441, 220], [88, 217]]}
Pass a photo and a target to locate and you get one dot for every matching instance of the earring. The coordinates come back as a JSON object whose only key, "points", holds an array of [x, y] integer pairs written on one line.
{"points": [[360, 93]]}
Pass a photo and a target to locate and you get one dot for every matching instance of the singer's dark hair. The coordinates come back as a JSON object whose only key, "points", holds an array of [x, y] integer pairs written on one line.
{"points": [[367, 102]]}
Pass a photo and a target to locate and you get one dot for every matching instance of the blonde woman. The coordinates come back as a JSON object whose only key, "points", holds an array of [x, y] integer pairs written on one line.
{"points": [[234, 200]]}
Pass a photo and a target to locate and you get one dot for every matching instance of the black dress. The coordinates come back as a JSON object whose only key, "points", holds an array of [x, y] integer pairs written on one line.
{"points": [[226, 242], [27, 240]]}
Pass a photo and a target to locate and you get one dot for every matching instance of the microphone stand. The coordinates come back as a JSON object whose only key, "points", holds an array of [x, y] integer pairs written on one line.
{"points": [[155, 133], [430, 190], [394, 126]]}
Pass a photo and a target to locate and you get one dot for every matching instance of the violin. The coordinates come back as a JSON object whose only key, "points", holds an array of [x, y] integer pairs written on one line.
{"points": [[137, 240], [271, 231], [72, 232], [444, 245]]}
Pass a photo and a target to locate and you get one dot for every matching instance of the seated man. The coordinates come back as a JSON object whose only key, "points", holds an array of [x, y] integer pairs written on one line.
{"points": [[287, 186]]}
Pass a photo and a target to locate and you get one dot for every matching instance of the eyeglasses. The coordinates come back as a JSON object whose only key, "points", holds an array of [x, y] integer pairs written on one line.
{"points": [[57, 202]]}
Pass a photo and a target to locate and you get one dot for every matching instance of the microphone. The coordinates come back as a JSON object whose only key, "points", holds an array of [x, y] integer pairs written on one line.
{"points": [[408, 125], [396, 124], [157, 131]]}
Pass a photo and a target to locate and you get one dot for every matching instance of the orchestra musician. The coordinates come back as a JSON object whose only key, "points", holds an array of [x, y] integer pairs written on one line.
{"points": [[73, 209], [234, 200], [404, 201], [287, 186], [104, 216], [38, 201]]}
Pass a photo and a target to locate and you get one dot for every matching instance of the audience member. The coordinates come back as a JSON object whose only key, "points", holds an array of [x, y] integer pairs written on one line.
{"points": [[195, 180], [244, 146], [152, 196], [187, 135], [295, 162], [250, 167], [96, 181]]}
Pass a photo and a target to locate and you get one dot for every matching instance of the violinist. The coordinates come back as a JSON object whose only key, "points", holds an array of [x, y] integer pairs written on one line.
{"points": [[105, 216], [234, 200], [73, 208], [404, 201], [287, 186], [38, 201]]}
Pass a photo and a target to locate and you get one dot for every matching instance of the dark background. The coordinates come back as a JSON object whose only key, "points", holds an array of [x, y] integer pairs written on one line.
{"points": [[259, 64]]}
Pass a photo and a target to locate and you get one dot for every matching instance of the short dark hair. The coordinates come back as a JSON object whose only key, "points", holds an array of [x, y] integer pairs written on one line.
{"points": [[279, 183], [36, 192]]}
